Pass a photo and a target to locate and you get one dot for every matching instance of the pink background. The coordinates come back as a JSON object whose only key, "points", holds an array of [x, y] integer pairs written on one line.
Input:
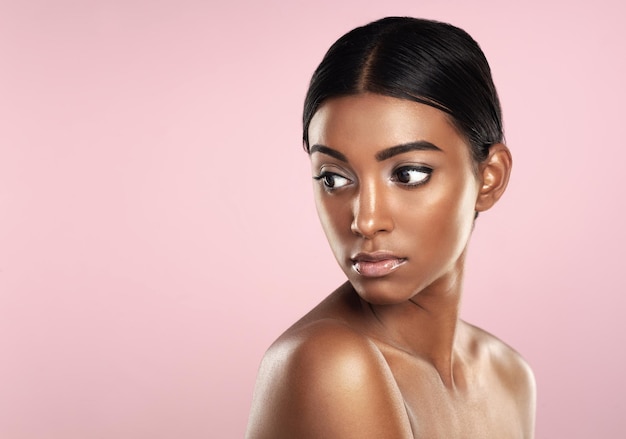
{"points": [[157, 229]]}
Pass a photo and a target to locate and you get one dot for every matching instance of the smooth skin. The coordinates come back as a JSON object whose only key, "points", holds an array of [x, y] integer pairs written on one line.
{"points": [[386, 354]]}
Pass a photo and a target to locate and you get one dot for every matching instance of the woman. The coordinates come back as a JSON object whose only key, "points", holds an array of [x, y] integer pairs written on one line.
{"points": [[403, 127]]}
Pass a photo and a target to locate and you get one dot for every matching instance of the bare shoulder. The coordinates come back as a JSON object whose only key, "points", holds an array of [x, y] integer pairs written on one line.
{"points": [[324, 379], [512, 371], [510, 366]]}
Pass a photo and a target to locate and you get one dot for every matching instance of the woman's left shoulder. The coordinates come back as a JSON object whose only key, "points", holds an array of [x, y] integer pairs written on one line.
{"points": [[506, 361], [512, 371]]}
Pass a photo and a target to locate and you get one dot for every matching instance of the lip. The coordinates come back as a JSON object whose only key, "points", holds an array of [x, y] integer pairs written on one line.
{"points": [[376, 264]]}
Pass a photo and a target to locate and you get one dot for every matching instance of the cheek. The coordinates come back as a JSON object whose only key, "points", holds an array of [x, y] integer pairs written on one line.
{"points": [[440, 220], [334, 217]]}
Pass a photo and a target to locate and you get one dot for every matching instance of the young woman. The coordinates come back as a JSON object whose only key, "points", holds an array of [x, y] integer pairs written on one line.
{"points": [[403, 127]]}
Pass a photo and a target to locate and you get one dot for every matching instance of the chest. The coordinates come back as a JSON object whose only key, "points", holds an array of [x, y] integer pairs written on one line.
{"points": [[480, 408]]}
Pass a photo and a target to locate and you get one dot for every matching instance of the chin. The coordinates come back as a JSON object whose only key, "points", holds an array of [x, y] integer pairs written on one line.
{"points": [[380, 294]]}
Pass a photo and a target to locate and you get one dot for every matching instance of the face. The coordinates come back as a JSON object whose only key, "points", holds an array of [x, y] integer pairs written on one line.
{"points": [[396, 194]]}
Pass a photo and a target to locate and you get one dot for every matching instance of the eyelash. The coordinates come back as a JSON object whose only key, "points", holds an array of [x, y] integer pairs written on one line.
{"points": [[322, 177], [420, 169]]}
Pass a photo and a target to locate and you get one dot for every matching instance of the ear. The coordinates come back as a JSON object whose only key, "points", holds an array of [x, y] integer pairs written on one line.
{"points": [[494, 173]]}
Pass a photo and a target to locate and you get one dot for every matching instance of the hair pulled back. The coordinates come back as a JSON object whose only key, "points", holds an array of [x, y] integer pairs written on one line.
{"points": [[425, 61]]}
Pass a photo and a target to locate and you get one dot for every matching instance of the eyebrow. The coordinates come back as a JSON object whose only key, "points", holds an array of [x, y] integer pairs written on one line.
{"points": [[328, 151], [420, 145]]}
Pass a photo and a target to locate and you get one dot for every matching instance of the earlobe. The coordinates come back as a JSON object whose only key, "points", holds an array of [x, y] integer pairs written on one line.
{"points": [[494, 173]]}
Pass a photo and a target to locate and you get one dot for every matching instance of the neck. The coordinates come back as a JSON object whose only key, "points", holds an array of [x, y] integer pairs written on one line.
{"points": [[426, 325]]}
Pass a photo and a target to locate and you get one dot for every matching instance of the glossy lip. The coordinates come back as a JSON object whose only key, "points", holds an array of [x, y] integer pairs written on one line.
{"points": [[376, 264]]}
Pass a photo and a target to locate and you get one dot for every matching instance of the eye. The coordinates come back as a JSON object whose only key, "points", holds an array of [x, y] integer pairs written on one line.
{"points": [[332, 181], [412, 175]]}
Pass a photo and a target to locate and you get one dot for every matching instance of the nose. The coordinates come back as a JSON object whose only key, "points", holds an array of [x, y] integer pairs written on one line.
{"points": [[371, 212]]}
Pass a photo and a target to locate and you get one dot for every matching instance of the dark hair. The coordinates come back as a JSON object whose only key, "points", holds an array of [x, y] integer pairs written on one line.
{"points": [[425, 61]]}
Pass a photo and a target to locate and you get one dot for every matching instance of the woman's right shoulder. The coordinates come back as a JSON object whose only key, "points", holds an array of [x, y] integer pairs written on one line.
{"points": [[325, 379], [325, 349]]}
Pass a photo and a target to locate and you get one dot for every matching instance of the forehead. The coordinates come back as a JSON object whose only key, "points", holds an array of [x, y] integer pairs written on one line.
{"points": [[380, 121]]}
